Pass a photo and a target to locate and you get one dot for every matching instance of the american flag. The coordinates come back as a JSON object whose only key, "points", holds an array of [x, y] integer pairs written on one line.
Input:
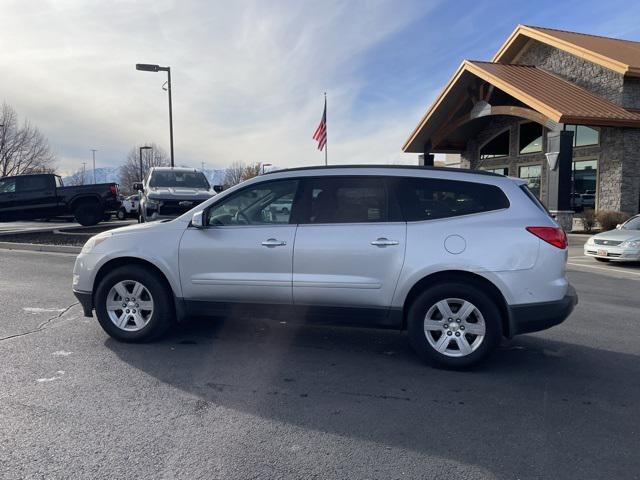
{"points": [[321, 132]]}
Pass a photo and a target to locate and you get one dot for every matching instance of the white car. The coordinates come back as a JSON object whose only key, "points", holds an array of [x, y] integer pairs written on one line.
{"points": [[129, 207], [457, 258], [621, 244]]}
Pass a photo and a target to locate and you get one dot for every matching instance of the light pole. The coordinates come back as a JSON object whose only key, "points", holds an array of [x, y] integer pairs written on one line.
{"points": [[84, 169], [145, 67], [141, 171], [93, 151]]}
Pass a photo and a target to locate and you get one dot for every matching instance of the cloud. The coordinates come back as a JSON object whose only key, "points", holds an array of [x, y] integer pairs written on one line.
{"points": [[248, 77]]}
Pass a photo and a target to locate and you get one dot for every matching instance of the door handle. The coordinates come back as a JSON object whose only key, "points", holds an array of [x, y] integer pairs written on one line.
{"points": [[384, 242], [272, 242]]}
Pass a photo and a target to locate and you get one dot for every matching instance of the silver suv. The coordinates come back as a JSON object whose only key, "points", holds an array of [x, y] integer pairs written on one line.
{"points": [[457, 258]]}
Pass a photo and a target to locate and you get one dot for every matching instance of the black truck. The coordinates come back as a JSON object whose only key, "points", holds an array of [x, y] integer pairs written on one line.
{"points": [[43, 196]]}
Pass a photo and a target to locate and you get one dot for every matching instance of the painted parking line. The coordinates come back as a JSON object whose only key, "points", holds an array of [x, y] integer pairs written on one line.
{"points": [[611, 270]]}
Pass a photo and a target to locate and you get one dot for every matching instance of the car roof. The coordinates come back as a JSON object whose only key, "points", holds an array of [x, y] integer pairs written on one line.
{"points": [[390, 167], [414, 171]]}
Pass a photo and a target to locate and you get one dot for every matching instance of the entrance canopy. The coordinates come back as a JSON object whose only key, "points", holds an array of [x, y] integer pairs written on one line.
{"points": [[479, 90]]}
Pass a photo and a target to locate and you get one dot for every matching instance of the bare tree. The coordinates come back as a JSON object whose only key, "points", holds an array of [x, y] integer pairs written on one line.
{"points": [[77, 178], [130, 170], [251, 171], [23, 148], [234, 174]]}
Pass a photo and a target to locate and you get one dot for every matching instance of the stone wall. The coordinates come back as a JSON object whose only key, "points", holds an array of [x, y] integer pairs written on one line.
{"points": [[594, 78]]}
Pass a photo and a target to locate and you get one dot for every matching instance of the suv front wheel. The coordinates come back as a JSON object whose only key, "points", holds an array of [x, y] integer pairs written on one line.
{"points": [[133, 304], [454, 325]]}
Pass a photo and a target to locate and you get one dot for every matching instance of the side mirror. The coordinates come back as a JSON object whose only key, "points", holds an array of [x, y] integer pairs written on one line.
{"points": [[137, 186], [218, 188], [197, 221]]}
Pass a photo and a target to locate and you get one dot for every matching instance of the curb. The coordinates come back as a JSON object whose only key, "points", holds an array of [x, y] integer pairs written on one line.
{"points": [[115, 223], [34, 247]]}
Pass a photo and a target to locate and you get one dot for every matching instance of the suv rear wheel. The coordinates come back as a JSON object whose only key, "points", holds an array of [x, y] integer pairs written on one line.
{"points": [[134, 305], [454, 325], [88, 213]]}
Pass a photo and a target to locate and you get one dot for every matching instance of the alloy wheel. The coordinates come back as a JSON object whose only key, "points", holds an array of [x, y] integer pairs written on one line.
{"points": [[129, 305], [454, 327]]}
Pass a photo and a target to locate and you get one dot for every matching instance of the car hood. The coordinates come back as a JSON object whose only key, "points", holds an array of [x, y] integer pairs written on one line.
{"points": [[619, 235], [179, 193]]}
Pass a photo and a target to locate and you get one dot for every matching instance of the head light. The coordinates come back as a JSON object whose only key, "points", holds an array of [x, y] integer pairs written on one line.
{"points": [[95, 241], [631, 244], [590, 241]]}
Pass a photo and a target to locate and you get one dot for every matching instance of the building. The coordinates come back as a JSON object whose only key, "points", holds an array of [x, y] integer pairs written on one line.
{"points": [[546, 95]]}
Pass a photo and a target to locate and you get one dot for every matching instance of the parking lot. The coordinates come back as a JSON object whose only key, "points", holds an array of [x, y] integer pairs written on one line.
{"points": [[261, 398]]}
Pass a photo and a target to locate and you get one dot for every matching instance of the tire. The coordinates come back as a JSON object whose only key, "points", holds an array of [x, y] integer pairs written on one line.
{"points": [[451, 355], [138, 324], [106, 216], [602, 259], [121, 214], [285, 211], [88, 214]]}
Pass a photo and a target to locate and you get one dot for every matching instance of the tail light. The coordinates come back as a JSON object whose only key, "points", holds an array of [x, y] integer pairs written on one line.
{"points": [[553, 235], [114, 189]]}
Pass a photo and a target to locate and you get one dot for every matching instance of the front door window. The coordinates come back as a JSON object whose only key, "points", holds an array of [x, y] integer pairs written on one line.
{"points": [[268, 203]]}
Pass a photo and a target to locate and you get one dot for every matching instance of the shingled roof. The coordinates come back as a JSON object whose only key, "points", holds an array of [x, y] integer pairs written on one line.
{"points": [[622, 56]]}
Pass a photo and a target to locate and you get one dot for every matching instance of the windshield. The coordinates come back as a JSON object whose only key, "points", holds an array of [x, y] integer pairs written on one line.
{"points": [[632, 224], [179, 179]]}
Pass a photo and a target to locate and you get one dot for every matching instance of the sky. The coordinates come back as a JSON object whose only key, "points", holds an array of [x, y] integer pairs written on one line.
{"points": [[248, 77]]}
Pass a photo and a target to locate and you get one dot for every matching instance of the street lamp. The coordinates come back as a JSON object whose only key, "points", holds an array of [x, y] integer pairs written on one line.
{"points": [[93, 151], [141, 173], [145, 67]]}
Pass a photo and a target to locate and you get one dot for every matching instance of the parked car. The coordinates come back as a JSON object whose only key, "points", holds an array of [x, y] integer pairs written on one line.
{"points": [[457, 258], [171, 191], [621, 244], [28, 197], [129, 208]]}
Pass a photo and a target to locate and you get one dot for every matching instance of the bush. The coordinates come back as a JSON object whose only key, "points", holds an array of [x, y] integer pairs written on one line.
{"points": [[588, 219], [608, 219]]}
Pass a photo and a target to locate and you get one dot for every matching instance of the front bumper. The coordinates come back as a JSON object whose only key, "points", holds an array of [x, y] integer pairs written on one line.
{"points": [[612, 252], [86, 300], [533, 317]]}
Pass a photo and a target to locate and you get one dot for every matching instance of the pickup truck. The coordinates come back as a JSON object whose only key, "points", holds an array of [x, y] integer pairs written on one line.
{"points": [[28, 197]]}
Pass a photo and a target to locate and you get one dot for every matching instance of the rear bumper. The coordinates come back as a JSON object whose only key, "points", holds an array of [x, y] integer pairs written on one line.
{"points": [[86, 300], [533, 317]]}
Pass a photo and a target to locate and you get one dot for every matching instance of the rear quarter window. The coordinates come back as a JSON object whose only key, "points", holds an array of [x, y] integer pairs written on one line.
{"points": [[430, 198]]}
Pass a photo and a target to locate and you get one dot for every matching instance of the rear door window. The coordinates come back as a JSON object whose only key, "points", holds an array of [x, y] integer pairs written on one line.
{"points": [[431, 198], [345, 200], [32, 184]]}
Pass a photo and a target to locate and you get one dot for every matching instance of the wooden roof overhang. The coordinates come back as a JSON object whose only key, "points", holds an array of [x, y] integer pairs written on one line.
{"points": [[480, 90]]}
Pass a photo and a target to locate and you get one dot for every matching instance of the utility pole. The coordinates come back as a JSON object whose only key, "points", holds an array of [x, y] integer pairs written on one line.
{"points": [[203, 166], [93, 151], [84, 169]]}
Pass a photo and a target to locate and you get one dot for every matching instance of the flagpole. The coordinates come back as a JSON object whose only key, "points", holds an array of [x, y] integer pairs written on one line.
{"points": [[326, 142]]}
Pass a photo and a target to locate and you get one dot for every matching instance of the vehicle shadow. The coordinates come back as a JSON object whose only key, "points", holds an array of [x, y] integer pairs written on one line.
{"points": [[537, 406]]}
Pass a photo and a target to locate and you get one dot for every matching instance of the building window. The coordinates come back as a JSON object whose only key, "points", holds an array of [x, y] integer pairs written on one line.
{"points": [[583, 136], [530, 138], [500, 170], [532, 174], [584, 178], [496, 147]]}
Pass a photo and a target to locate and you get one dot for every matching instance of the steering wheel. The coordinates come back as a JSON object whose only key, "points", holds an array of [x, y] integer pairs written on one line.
{"points": [[239, 214]]}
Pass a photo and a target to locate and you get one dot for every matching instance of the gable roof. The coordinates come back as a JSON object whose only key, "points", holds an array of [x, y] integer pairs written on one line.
{"points": [[622, 56], [552, 96]]}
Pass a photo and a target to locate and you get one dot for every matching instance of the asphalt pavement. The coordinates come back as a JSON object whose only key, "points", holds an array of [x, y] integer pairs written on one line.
{"points": [[262, 398]]}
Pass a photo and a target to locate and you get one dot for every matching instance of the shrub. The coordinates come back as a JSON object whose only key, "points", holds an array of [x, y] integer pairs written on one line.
{"points": [[608, 219], [588, 219]]}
